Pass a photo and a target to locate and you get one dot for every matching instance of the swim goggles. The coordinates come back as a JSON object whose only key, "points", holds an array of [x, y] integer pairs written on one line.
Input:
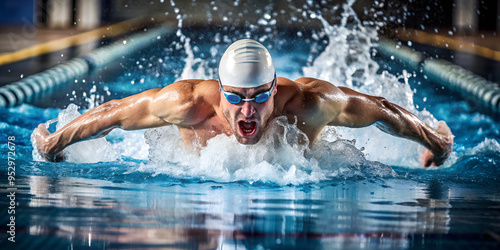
{"points": [[235, 98]]}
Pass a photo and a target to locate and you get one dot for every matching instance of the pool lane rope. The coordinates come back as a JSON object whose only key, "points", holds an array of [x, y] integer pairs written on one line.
{"points": [[469, 85], [35, 86]]}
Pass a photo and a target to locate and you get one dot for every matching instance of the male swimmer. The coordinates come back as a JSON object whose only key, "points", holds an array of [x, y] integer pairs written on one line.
{"points": [[242, 103]]}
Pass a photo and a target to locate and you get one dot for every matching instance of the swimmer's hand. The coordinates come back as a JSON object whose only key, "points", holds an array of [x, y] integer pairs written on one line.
{"points": [[439, 156], [42, 145]]}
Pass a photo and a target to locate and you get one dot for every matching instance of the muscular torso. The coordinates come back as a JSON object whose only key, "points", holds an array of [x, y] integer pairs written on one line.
{"points": [[298, 100], [197, 135]]}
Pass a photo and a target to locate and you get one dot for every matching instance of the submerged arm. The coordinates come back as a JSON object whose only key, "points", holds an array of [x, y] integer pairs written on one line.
{"points": [[359, 110]]}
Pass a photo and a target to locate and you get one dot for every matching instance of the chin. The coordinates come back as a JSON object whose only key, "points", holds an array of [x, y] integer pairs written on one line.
{"points": [[247, 141]]}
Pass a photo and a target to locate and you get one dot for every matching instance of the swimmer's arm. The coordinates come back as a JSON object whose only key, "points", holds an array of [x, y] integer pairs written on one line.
{"points": [[128, 113], [152, 108], [358, 110]]}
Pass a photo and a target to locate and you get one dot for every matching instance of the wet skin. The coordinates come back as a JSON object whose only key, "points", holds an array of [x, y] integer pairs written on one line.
{"points": [[200, 111]]}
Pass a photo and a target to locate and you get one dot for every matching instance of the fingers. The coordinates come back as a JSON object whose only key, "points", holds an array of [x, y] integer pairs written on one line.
{"points": [[42, 129], [426, 158], [429, 158], [427, 164], [444, 129], [59, 157], [41, 134]]}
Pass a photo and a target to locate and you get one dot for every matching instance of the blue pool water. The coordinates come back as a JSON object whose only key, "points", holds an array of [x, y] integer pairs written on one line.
{"points": [[140, 189]]}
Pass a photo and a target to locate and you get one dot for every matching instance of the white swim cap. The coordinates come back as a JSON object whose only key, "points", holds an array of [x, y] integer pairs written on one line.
{"points": [[246, 64]]}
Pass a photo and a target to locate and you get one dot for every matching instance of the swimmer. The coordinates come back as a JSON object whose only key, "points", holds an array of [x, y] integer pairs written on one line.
{"points": [[242, 103]]}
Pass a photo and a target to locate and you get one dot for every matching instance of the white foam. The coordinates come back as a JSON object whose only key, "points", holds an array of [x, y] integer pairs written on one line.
{"points": [[346, 61], [91, 151], [277, 158], [486, 146], [195, 68]]}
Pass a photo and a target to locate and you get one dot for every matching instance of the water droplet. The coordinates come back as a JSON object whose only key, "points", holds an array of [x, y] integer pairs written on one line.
{"points": [[22, 75]]}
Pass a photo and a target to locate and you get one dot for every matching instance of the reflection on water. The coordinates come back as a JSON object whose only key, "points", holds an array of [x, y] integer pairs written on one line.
{"points": [[128, 204], [353, 213]]}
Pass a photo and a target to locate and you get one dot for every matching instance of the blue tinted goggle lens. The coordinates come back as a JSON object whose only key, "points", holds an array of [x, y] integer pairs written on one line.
{"points": [[233, 98], [260, 98]]}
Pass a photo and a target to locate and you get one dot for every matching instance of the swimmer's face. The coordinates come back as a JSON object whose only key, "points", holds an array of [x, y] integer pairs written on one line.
{"points": [[248, 119]]}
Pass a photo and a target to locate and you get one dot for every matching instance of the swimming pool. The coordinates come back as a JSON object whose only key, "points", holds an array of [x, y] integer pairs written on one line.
{"points": [[140, 189]]}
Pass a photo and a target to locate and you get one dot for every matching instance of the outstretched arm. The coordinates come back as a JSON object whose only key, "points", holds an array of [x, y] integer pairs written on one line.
{"points": [[152, 108], [359, 110]]}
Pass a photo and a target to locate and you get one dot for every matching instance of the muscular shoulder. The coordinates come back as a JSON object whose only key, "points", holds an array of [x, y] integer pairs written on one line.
{"points": [[307, 92], [311, 99], [190, 90], [187, 102]]}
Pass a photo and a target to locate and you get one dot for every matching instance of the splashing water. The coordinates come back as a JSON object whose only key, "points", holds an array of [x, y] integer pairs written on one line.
{"points": [[195, 68], [346, 61], [278, 157], [91, 151]]}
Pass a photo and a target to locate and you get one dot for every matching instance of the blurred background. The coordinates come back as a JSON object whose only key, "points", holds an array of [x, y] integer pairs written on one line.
{"points": [[469, 26], [464, 16]]}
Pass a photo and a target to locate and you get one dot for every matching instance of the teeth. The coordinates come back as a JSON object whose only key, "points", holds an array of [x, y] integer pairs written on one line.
{"points": [[247, 121]]}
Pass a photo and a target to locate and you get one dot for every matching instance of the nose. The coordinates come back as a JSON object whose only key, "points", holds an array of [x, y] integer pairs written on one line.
{"points": [[247, 109]]}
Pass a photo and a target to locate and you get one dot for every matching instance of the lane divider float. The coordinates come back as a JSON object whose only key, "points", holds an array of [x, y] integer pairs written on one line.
{"points": [[469, 85], [35, 86]]}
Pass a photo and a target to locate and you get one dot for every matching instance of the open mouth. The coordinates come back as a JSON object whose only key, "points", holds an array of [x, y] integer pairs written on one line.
{"points": [[247, 128]]}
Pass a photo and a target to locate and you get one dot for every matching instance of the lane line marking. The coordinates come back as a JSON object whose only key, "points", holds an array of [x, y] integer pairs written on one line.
{"points": [[79, 39], [446, 42]]}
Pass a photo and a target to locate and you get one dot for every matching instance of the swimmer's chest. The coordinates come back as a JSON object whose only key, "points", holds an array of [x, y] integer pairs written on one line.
{"points": [[199, 134]]}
